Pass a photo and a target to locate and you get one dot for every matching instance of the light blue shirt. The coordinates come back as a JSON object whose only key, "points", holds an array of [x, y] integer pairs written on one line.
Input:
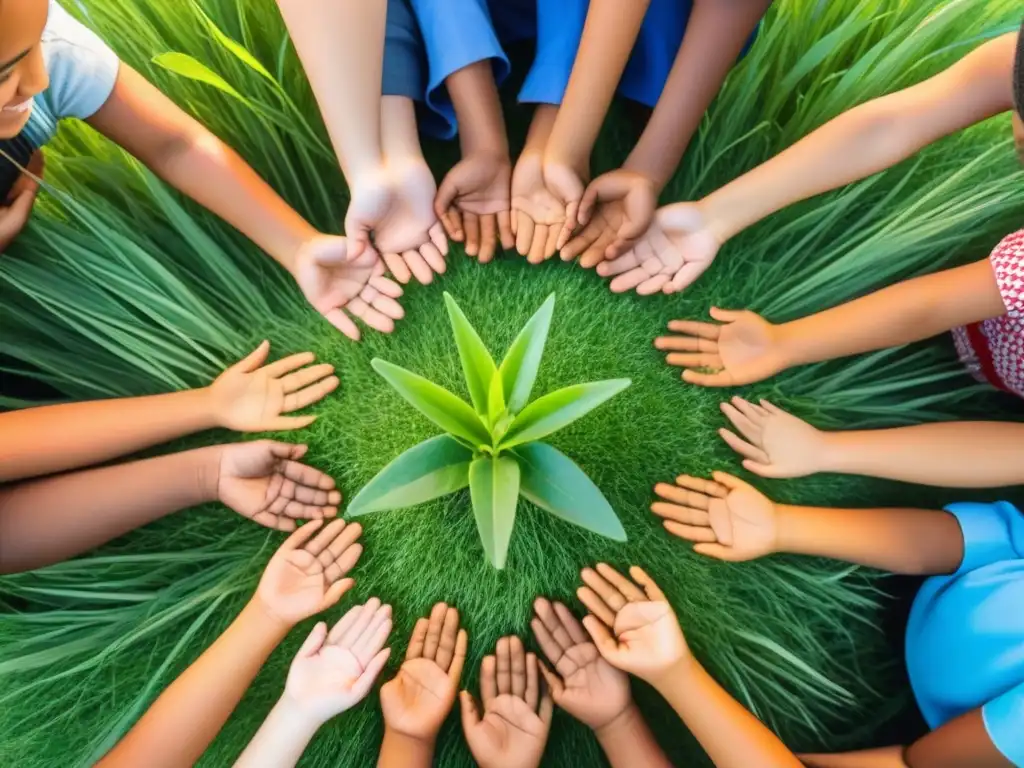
{"points": [[82, 70], [965, 637]]}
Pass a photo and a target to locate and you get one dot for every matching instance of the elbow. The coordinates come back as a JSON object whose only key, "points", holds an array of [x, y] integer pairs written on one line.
{"points": [[186, 152]]}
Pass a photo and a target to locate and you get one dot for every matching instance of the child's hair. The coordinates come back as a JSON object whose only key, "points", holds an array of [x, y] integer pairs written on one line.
{"points": [[1018, 73]]}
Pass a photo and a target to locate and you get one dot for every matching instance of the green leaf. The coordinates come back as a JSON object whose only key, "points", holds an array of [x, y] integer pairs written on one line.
{"points": [[477, 363], [239, 51], [559, 409], [553, 482], [184, 65], [434, 468], [495, 401], [519, 368], [494, 489], [439, 405]]}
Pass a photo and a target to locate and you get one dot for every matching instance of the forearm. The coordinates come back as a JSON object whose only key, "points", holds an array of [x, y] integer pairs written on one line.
{"points": [[38, 441], [909, 541], [52, 519], [731, 736], [180, 725], [280, 741], [899, 314], [886, 757], [401, 751], [474, 95], [399, 138], [609, 33], [715, 36], [540, 128], [932, 454], [341, 45], [628, 742]]}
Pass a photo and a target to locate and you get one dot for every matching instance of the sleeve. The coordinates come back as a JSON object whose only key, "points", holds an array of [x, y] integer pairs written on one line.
{"points": [[456, 33], [992, 533], [559, 29], [82, 68], [1008, 263], [1004, 721], [404, 61]]}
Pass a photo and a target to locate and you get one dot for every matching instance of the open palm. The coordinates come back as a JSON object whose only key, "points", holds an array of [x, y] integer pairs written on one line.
{"points": [[774, 443], [265, 482], [617, 208], [537, 215], [409, 237]]}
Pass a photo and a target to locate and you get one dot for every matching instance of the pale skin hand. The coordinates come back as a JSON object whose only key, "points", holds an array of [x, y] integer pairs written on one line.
{"points": [[773, 443], [16, 210], [307, 573], [616, 209], [516, 716], [419, 698], [265, 482], [631, 622], [678, 246], [341, 285], [727, 519], [538, 215], [741, 349]]}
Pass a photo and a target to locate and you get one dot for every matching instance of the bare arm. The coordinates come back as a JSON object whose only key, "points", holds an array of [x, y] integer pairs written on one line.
{"points": [[189, 157], [628, 743], [870, 138], [902, 313], [474, 95], [715, 35], [609, 33]]}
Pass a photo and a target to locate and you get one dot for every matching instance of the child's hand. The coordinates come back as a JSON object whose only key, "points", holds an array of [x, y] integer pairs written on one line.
{"points": [[586, 686], [633, 628], [250, 396], [473, 203], [514, 729], [341, 285], [333, 672], [777, 443], [729, 519], [674, 251], [745, 348], [409, 237], [306, 574], [616, 209], [567, 185], [264, 481], [538, 216], [420, 697]]}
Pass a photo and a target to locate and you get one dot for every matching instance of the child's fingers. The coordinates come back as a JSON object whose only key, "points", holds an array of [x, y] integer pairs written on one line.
{"points": [[340, 320], [593, 603], [731, 482], [458, 657], [433, 639], [488, 680], [717, 551], [279, 368], [470, 715], [639, 575], [553, 681], [301, 536], [532, 690], [606, 644], [418, 639], [685, 515], [343, 624], [765, 470], [702, 485], [520, 663], [628, 589], [750, 428], [365, 681], [373, 638], [314, 641], [335, 592], [689, 495], [742, 447], [446, 642], [696, 533], [696, 328]]}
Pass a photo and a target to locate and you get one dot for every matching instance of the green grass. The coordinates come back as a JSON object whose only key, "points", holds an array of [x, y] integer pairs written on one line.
{"points": [[120, 289]]}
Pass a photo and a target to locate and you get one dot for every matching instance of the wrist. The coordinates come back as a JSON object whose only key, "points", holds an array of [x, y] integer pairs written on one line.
{"points": [[291, 717], [206, 469], [620, 726], [679, 672], [580, 164], [725, 217], [264, 620], [653, 169], [202, 406], [409, 745]]}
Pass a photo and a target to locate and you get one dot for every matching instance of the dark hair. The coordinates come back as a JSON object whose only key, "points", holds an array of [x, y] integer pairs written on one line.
{"points": [[13, 153], [1018, 74]]}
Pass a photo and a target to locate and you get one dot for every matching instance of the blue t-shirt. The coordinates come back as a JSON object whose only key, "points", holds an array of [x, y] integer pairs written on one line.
{"points": [[965, 637], [82, 70]]}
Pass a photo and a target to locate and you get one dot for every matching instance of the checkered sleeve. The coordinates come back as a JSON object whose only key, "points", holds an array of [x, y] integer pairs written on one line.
{"points": [[1008, 263]]}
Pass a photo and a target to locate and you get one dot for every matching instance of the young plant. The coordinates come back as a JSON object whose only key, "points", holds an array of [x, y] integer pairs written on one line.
{"points": [[494, 446]]}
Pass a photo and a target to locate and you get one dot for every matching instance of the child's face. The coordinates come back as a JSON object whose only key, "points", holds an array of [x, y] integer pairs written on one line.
{"points": [[22, 71]]}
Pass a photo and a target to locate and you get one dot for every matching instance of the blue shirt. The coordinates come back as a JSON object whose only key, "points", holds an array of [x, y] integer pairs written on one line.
{"points": [[82, 70], [965, 636]]}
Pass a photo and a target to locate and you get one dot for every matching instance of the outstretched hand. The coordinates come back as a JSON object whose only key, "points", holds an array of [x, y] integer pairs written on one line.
{"points": [[516, 716], [341, 285], [728, 518], [334, 671], [631, 622], [774, 443], [409, 237], [676, 249], [307, 574], [264, 481], [417, 701], [616, 209], [250, 396], [474, 202], [538, 215], [586, 686], [741, 349]]}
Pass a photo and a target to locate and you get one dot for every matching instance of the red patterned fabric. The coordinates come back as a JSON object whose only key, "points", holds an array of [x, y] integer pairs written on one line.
{"points": [[993, 350]]}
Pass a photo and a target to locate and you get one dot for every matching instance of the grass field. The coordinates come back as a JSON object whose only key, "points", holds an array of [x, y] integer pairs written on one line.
{"points": [[120, 288]]}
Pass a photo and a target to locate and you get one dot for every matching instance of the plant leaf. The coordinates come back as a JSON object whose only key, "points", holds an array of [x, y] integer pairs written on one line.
{"points": [[495, 401], [477, 363], [434, 468], [239, 51], [554, 482], [494, 489], [519, 368], [184, 65], [559, 409], [449, 412]]}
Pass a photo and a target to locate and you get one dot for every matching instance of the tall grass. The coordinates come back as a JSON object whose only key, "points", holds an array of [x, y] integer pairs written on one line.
{"points": [[121, 288]]}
